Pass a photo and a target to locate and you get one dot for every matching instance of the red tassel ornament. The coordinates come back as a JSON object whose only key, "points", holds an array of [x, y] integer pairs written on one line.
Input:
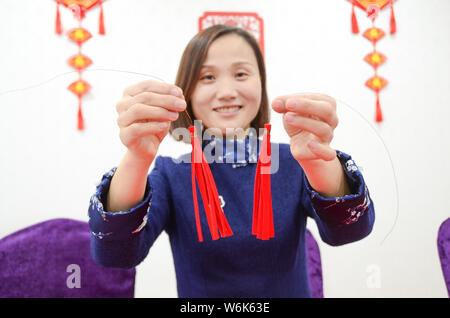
{"points": [[378, 113], [101, 27], [200, 170], [355, 28], [58, 26], [262, 225], [393, 23], [80, 116]]}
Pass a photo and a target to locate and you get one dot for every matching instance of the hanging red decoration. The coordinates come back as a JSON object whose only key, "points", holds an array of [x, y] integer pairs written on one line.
{"points": [[58, 27], [376, 83], [262, 225], [373, 34], [375, 59], [79, 35], [200, 170], [79, 87], [79, 61], [101, 26], [355, 28], [249, 21], [393, 23]]}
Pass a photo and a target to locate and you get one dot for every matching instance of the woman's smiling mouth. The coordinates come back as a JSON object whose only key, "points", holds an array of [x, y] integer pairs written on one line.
{"points": [[228, 110]]}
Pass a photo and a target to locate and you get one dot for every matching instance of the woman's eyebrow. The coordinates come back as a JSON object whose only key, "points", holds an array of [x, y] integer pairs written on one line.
{"points": [[233, 64]]}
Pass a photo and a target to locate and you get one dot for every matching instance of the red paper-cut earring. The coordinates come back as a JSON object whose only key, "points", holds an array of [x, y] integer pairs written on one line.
{"points": [[213, 210], [262, 225]]}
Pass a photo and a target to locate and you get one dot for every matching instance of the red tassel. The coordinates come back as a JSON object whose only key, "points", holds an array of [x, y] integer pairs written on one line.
{"points": [[58, 27], [194, 194], [378, 114], [262, 225], [393, 23], [214, 214], [355, 28], [80, 116], [101, 27]]}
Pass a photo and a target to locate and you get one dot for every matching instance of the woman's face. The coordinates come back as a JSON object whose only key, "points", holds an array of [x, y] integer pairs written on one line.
{"points": [[228, 90]]}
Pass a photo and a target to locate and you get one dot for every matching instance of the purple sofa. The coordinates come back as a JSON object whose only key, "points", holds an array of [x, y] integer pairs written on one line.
{"points": [[314, 266], [53, 259], [443, 243]]}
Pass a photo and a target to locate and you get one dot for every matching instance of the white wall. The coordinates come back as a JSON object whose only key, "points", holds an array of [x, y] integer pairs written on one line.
{"points": [[49, 169]]}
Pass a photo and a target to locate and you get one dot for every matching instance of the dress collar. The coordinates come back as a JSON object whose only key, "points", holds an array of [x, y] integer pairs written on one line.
{"points": [[238, 153]]}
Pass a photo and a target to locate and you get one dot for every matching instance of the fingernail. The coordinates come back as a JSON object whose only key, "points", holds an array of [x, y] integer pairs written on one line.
{"points": [[277, 103], [173, 115], [175, 91], [180, 103]]}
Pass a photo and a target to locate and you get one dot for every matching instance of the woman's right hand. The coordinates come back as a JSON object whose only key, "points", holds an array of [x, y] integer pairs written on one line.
{"points": [[145, 112]]}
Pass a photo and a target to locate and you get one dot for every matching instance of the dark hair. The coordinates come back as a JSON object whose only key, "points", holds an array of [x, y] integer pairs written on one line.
{"points": [[193, 57]]}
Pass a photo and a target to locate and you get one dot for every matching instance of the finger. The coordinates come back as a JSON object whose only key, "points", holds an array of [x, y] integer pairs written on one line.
{"points": [[322, 151], [318, 96], [153, 86], [316, 127], [139, 112], [137, 130], [314, 96], [169, 102], [318, 109], [280, 106]]}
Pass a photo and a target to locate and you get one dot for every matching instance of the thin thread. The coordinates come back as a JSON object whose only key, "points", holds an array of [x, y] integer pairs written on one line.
{"points": [[90, 70], [70, 72], [155, 77], [390, 160]]}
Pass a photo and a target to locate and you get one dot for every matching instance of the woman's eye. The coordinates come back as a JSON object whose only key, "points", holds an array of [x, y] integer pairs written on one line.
{"points": [[211, 77], [207, 77]]}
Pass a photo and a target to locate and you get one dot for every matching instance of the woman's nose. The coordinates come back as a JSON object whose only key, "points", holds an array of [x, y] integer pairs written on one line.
{"points": [[226, 90]]}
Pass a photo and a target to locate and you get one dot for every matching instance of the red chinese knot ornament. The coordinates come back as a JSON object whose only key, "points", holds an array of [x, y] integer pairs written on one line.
{"points": [[373, 34], [79, 36]]}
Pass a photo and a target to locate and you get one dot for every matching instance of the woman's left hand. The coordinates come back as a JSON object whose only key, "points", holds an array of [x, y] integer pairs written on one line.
{"points": [[309, 120]]}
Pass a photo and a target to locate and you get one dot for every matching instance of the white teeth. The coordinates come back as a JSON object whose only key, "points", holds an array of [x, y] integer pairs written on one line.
{"points": [[227, 109]]}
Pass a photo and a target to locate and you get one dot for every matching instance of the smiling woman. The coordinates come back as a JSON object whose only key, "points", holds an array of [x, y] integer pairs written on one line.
{"points": [[228, 93], [223, 77], [222, 82]]}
